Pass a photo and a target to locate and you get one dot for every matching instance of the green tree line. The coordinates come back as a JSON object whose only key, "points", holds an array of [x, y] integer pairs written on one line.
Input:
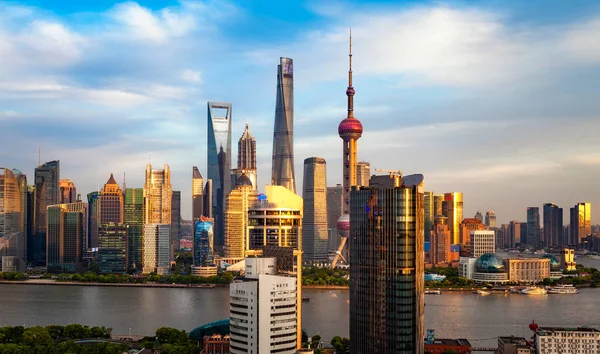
{"points": [[324, 276]]}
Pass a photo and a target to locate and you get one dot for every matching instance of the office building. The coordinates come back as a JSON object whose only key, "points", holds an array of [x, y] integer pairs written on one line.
{"points": [[581, 223], [553, 226], [112, 248], [134, 219], [514, 234], [489, 268], [335, 201], [573, 340], [219, 164], [47, 192], [314, 223], [13, 209], [533, 226], [384, 283], [246, 161], [203, 242], [197, 194], [490, 219], [429, 210], [216, 344], [482, 241], [466, 267], [208, 199], [68, 192], [283, 133], [262, 310], [157, 196], [93, 221], [466, 226], [523, 229], [438, 199], [110, 203], [527, 270], [156, 249], [479, 216], [452, 208], [66, 237], [236, 217], [567, 259], [439, 345], [439, 241], [175, 222], [363, 173], [275, 230], [514, 345]]}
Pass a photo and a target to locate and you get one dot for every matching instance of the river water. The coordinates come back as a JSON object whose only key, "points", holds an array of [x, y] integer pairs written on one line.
{"points": [[452, 315]]}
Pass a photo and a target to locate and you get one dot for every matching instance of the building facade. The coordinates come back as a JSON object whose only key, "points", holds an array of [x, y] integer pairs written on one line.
{"points": [[197, 194], [68, 192], [363, 173], [452, 208], [429, 213], [335, 201], [513, 238], [157, 196], [581, 223], [527, 270], [219, 163], [440, 242], [490, 219], [553, 226], [482, 241], [557, 340], [110, 203], [112, 248], [13, 210], [93, 219], [262, 310], [514, 345], [533, 226], [387, 266], [175, 221], [246, 161], [134, 219], [282, 173], [203, 251], [236, 217], [47, 192], [466, 226], [66, 226], [156, 249], [315, 226], [567, 259]]}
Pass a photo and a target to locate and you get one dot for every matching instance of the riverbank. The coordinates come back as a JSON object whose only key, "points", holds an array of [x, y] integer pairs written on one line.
{"points": [[146, 285]]}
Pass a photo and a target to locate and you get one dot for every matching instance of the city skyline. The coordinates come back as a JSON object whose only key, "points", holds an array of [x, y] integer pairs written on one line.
{"points": [[541, 149]]}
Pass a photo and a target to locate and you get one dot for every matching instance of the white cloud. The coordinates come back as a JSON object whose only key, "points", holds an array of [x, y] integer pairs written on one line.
{"points": [[191, 76], [582, 40]]}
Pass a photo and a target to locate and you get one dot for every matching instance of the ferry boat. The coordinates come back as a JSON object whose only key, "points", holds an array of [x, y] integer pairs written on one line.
{"points": [[481, 292], [540, 252], [592, 255], [433, 292], [534, 290], [563, 289]]}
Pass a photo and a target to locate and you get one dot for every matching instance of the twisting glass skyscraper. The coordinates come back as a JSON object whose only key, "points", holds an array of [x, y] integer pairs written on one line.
{"points": [[283, 135], [219, 161]]}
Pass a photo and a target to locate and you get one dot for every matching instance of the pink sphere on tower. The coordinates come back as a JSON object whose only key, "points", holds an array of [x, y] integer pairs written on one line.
{"points": [[343, 225]]}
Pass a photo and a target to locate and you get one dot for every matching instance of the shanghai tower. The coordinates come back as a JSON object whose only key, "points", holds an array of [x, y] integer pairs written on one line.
{"points": [[283, 135]]}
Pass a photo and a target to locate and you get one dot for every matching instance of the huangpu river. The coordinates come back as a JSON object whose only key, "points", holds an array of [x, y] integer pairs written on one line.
{"points": [[453, 315]]}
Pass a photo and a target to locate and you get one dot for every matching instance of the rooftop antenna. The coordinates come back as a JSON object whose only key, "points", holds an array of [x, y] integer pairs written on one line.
{"points": [[124, 182]]}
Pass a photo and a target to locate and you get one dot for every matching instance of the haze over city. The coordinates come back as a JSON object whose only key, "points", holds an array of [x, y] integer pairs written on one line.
{"points": [[494, 99]]}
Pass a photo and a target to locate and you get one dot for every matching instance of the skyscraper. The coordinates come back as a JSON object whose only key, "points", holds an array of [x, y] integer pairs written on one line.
{"points": [[157, 196], [429, 213], [490, 219], [219, 162], [439, 241], [236, 216], [335, 201], [553, 225], [110, 203], [197, 194], [68, 192], [203, 242], [112, 248], [514, 233], [533, 226], [66, 237], [363, 173], [12, 232], [314, 194], [47, 192], [283, 135], [350, 130], [246, 160], [387, 266], [208, 199], [438, 199], [452, 208], [482, 241], [581, 223], [479, 216], [93, 221], [134, 219], [175, 221], [156, 248]]}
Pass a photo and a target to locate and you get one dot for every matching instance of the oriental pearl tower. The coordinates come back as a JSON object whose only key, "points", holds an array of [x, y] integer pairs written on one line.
{"points": [[350, 130]]}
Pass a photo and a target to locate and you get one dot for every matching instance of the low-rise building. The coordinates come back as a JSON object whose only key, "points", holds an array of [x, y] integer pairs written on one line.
{"points": [[440, 346], [557, 340], [568, 259], [514, 345], [466, 267], [204, 271], [527, 270], [216, 344]]}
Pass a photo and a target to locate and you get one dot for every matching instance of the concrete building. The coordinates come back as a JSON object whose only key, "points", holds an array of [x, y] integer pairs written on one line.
{"points": [[441, 346], [175, 222], [513, 238], [13, 214], [466, 226], [314, 223], [237, 205], [263, 314], [386, 279], [533, 226], [197, 194], [490, 219], [335, 201], [47, 192], [527, 270], [482, 241], [466, 267], [553, 226], [13, 264], [133, 214], [156, 249], [440, 242], [363, 173], [68, 192], [452, 208], [66, 237], [514, 345], [216, 344], [110, 203], [113, 248], [567, 259], [558, 340]]}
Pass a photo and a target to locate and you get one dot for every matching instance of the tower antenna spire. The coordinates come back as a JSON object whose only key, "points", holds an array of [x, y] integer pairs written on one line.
{"points": [[350, 90]]}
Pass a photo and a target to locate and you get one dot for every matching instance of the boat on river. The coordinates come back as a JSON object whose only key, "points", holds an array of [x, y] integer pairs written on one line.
{"points": [[563, 289], [534, 290], [433, 292], [481, 292]]}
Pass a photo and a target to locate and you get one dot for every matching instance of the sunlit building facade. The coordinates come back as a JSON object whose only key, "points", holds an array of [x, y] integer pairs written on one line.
{"points": [[13, 192], [387, 287], [246, 160], [452, 208], [236, 217], [66, 225], [47, 192], [490, 219], [283, 135], [439, 251], [482, 241], [315, 227], [157, 196], [156, 249], [134, 219], [203, 242], [219, 163], [581, 223], [363, 173], [110, 203], [68, 192], [197, 194], [468, 225]]}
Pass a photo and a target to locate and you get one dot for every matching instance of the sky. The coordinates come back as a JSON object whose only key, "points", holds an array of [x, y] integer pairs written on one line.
{"points": [[498, 99]]}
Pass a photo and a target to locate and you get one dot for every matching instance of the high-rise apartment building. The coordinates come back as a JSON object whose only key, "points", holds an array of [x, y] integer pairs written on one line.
{"points": [[219, 163], [363, 173], [262, 310], [246, 160], [439, 246], [203, 242], [197, 194], [68, 192], [112, 248], [156, 248], [175, 221], [110, 203], [47, 192], [134, 219], [452, 208], [553, 225], [335, 201], [283, 134], [65, 237], [93, 221], [482, 241], [429, 213], [581, 223], [533, 226], [13, 209], [315, 227], [387, 266], [236, 216], [490, 219]]}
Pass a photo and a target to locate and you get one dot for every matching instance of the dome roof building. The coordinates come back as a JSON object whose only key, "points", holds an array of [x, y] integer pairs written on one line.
{"points": [[243, 180], [489, 263], [554, 263]]}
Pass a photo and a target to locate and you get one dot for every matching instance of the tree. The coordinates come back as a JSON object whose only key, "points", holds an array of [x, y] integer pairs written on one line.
{"points": [[37, 336], [171, 335]]}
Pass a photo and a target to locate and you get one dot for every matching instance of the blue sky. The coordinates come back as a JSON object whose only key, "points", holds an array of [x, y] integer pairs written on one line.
{"points": [[498, 99]]}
